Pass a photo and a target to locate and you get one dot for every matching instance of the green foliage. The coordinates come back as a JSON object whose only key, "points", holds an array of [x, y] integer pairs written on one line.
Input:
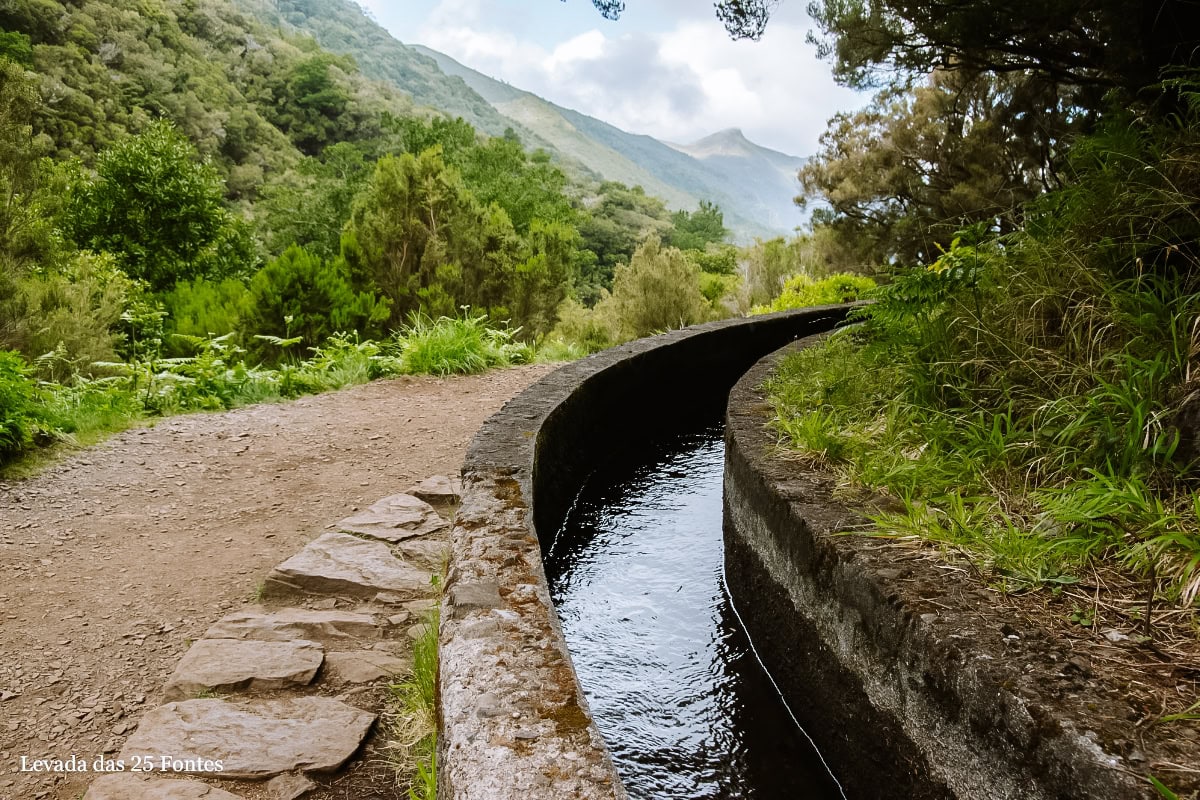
{"points": [[698, 229], [301, 295], [202, 309], [159, 210], [17, 405], [903, 174], [498, 170], [658, 290], [416, 729], [617, 221], [456, 345], [1097, 47], [310, 206], [586, 328], [419, 236], [1030, 397], [767, 266], [16, 47], [25, 235], [68, 319], [716, 287], [801, 291], [718, 260], [311, 97]]}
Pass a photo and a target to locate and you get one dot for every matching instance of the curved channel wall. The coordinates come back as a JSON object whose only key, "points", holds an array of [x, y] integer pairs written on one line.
{"points": [[887, 658], [513, 722]]}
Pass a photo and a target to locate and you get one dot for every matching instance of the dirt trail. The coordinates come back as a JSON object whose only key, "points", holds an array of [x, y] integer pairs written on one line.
{"points": [[112, 560]]}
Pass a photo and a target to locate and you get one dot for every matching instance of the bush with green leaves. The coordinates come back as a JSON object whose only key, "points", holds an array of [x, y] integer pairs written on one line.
{"points": [[65, 320], [304, 297], [159, 208], [658, 290], [200, 309], [802, 291], [18, 405], [456, 345]]}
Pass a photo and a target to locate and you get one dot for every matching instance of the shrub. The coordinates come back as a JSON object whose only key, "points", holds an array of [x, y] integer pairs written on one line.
{"points": [[801, 291], [158, 208], [462, 345], [586, 327], [658, 290], [302, 296], [65, 321], [201, 309], [17, 405]]}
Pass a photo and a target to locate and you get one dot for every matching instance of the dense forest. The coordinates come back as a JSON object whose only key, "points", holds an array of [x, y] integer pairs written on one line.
{"points": [[194, 200]]}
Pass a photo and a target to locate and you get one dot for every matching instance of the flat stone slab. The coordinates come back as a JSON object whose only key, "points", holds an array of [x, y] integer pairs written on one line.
{"points": [[438, 489], [395, 518], [338, 563], [289, 787], [326, 627], [230, 665], [123, 786], [253, 740], [424, 553], [364, 666]]}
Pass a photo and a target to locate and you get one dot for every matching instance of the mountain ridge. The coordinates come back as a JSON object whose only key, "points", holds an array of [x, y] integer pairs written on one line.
{"points": [[759, 206], [752, 189]]}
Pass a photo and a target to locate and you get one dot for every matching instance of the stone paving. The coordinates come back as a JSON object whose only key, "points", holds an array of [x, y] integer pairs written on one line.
{"points": [[252, 700]]}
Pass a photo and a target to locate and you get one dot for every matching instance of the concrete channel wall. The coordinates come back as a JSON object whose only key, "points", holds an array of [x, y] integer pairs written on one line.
{"points": [[886, 658], [513, 721]]}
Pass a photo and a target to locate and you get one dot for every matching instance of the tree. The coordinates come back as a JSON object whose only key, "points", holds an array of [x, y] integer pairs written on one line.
{"points": [[615, 224], [697, 229], [23, 238], [421, 238], [658, 290], [744, 19], [1101, 45], [157, 207], [311, 102], [309, 206], [1128, 44], [301, 295], [903, 174]]}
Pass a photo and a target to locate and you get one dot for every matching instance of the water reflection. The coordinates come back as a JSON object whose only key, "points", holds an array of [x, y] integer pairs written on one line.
{"points": [[676, 690]]}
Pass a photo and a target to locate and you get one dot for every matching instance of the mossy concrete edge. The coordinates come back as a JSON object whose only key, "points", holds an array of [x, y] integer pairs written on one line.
{"points": [[897, 681], [513, 722]]}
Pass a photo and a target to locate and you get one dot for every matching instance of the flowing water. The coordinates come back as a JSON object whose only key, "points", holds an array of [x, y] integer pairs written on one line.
{"points": [[674, 685]]}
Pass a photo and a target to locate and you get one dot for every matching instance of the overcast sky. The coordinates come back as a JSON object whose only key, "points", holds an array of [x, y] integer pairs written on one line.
{"points": [[666, 68]]}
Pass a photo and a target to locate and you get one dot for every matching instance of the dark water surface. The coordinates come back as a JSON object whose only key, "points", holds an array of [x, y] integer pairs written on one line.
{"points": [[636, 574]]}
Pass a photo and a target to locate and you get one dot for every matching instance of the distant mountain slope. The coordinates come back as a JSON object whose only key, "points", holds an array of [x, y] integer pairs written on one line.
{"points": [[341, 27], [753, 185], [746, 184], [773, 183]]}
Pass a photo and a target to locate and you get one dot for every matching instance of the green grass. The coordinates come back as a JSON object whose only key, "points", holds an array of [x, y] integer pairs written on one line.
{"points": [[56, 416], [461, 345], [1031, 433], [413, 729]]}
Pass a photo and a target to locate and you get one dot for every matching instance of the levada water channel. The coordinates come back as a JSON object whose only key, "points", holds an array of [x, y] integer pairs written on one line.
{"points": [[636, 572]]}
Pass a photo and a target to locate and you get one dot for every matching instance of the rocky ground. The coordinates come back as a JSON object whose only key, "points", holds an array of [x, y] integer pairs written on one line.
{"points": [[117, 559]]}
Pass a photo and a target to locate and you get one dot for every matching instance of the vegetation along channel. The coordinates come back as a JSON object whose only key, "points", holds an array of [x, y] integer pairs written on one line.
{"points": [[636, 573]]}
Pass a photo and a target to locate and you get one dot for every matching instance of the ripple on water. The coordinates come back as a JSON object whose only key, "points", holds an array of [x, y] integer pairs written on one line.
{"points": [[636, 574]]}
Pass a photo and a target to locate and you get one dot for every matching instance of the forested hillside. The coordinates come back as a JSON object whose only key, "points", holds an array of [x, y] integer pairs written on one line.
{"points": [[194, 199], [587, 149]]}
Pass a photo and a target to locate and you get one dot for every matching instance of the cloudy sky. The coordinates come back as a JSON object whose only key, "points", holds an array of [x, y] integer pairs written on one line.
{"points": [[666, 68]]}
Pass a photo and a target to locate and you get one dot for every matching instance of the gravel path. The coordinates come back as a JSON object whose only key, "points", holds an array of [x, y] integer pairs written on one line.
{"points": [[115, 558]]}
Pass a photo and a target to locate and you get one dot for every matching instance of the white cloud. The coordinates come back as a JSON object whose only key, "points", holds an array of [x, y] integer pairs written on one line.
{"points": [[679, 84]]}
